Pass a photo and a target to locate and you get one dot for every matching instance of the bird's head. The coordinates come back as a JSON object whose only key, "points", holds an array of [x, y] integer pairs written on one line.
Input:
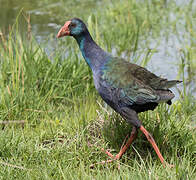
{"points": [[74, 27]]}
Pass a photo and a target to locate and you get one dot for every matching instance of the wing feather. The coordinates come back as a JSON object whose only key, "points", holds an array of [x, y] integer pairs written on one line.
{"points": [[124, 76]]}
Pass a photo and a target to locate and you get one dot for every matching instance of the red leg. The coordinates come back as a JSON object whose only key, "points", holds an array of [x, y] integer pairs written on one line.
{"points": [[152, 141], [122, 150], [127, 145]]}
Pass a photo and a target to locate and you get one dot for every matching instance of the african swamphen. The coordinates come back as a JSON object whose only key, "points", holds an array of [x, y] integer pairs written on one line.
{"points": [[128, 88]]}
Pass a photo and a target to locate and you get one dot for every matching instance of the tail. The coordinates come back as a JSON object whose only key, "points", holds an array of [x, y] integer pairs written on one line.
{"points": [[171, 83], [165, 96]]}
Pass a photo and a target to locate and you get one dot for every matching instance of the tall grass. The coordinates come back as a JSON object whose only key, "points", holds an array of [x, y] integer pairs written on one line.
{"points": [[30, 80], [54, 123]]}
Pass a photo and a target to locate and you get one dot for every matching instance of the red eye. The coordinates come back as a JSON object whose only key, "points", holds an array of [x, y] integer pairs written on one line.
{"points": [[73, 25]]}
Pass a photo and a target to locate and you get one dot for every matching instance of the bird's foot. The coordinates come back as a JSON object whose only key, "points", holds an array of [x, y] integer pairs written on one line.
{"points": [[123, 149], [117, 157], [113, 158], [169, 165]]}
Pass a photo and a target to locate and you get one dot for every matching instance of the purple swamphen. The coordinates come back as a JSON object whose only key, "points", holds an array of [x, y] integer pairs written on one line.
{"points": [[128, 88]]}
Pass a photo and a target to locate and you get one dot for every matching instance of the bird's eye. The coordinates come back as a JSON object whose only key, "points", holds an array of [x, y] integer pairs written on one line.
{"points": [[72, 25]]}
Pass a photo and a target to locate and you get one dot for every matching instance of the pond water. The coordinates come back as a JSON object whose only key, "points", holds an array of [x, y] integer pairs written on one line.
{"points": [[47, 17]]}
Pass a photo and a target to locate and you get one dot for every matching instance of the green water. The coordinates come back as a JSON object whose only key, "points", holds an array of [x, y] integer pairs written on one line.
{"points": [[45, 15]]}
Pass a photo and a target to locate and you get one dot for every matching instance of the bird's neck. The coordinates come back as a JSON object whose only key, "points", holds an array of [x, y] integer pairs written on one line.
{"points": [[92, 53]]}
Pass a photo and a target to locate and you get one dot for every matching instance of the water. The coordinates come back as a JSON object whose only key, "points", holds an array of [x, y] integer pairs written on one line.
{"points": [[46, 16]]}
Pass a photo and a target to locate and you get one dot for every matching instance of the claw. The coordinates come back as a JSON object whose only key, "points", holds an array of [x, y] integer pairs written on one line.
{"points": [[122, 150]]}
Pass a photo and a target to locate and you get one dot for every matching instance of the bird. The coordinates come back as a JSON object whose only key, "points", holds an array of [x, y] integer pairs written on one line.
{"points": [[127, 88]]}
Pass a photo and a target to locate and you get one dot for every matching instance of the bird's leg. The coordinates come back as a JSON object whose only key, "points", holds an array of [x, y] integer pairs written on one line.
{"points": [[122, 150], [127, 145], [109, 154], [152, 141]]}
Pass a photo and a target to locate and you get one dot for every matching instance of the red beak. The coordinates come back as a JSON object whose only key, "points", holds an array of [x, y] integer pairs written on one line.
{"points": [[64, 31]]}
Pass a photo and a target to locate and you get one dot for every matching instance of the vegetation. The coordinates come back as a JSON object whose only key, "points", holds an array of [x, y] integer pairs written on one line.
{"points": [[53, 122]]}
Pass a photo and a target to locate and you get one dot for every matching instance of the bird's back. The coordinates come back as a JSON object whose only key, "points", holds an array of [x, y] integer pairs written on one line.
{"points": [[134, 85]]}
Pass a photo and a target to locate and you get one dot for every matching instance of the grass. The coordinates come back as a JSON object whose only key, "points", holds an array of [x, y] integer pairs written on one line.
{"points": [[53, 122]]}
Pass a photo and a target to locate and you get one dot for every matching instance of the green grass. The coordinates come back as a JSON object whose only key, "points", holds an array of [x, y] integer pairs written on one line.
{"points": [[53, 122]]}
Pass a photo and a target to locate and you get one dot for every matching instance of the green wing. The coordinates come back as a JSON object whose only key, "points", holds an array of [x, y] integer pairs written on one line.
{"points": [[133, 81]]}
